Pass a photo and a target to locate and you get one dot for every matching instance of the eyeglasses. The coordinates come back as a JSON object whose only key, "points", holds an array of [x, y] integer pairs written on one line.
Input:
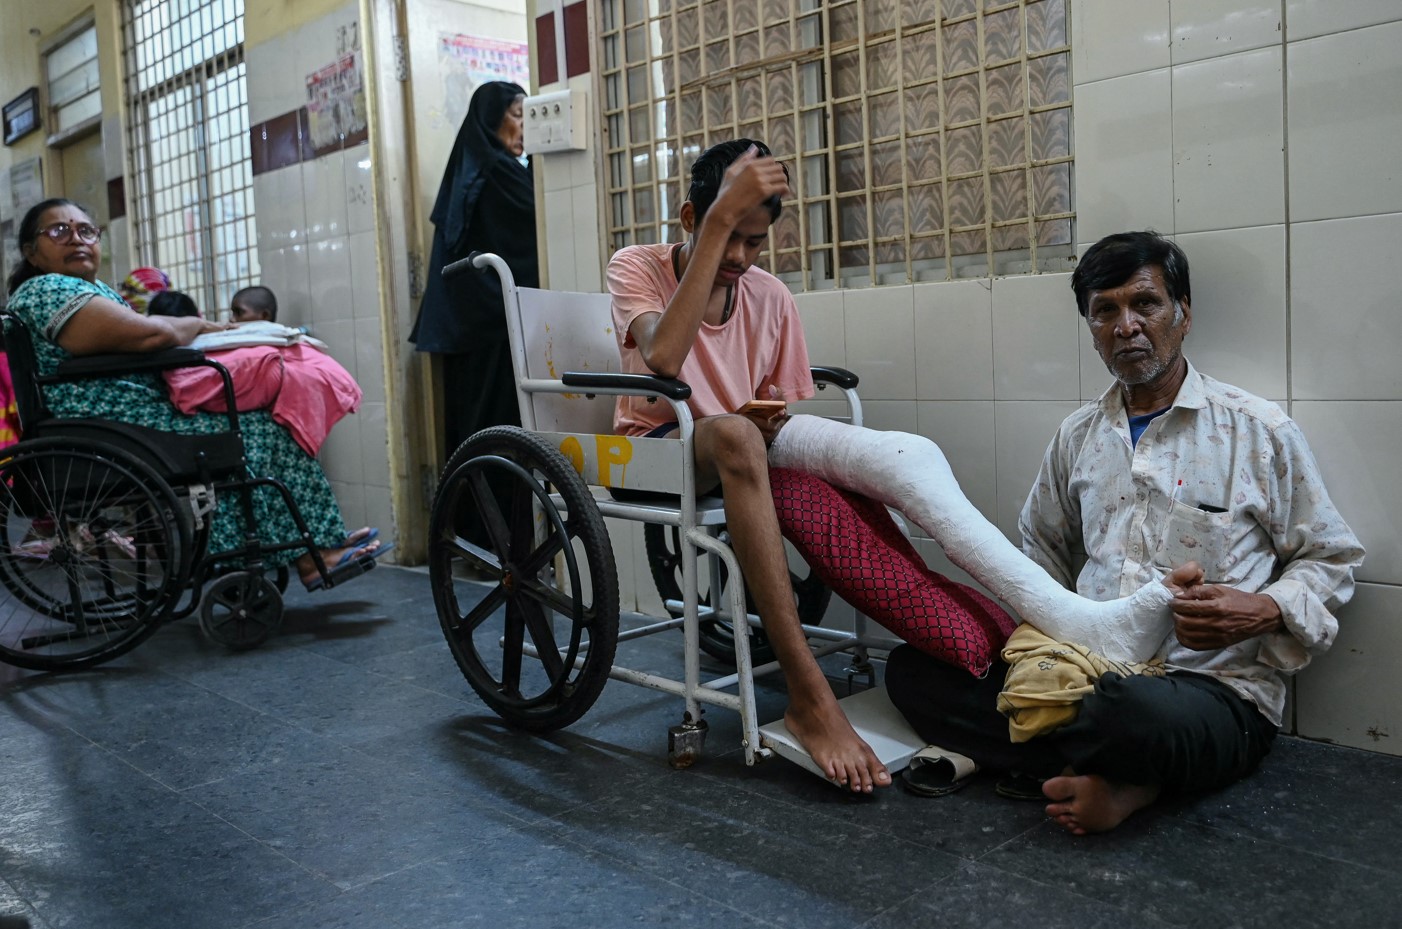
{"points": [[87, 233]]}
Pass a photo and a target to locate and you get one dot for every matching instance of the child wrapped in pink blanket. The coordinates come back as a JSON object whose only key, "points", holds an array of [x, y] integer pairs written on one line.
{"points": [[306, 389]]}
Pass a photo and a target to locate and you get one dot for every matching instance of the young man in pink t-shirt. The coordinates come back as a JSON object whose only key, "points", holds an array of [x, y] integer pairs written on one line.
{"points": [[699, 311]]}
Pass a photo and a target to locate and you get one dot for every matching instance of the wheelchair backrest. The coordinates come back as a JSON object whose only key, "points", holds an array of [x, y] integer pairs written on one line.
{"points": [[553, 332], [562, 331]]}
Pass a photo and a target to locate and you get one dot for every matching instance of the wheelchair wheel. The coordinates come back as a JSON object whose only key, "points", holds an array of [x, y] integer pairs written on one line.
{"points": [[91, 553], [556, 587], [663, 547], [240, 610]]}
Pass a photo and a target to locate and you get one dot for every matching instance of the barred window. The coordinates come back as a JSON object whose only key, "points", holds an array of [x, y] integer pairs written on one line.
{"points": [[187, 107], [926, 139]]}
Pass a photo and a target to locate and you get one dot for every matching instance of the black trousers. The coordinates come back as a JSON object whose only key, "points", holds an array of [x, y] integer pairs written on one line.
{"points": [[1184, 732]]}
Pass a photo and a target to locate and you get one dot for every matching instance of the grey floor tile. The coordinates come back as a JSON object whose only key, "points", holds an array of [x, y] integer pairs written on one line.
{"points": [[1188, 874], [969, 823], [349, 816], [977, 896], [68, 779], [14, 907], [531, 880], [796, 867], [353, 909], [1326, 799], [189, 735], [535, 776], [201, 872]]}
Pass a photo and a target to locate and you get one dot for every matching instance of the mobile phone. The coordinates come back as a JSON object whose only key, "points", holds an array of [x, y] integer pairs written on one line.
{"points": [[767, 409]]}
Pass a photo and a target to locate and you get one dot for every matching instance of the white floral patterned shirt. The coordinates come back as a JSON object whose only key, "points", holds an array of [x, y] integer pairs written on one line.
{"points": [[1223, 478]]}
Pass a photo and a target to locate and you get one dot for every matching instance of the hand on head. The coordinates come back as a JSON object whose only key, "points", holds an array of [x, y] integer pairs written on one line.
{"points": [[750, 181]]}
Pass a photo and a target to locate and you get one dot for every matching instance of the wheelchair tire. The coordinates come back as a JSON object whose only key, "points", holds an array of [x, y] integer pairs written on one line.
{"points": [[553, 569], [717, 637], [240, 610], [92, 553]]}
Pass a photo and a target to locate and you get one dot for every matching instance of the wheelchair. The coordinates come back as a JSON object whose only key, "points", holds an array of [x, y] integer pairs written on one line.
{"points": [[105, 526], [540, 645]]}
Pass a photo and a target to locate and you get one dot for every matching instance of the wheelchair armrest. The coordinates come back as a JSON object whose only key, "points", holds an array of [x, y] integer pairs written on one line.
{"points": [[125, 363], [824, 374], [115, 365], [668, 387]]}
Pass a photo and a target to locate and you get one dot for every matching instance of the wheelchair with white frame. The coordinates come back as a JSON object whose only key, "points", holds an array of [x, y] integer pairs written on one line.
{"points": [[105, 525], [539, 646]]}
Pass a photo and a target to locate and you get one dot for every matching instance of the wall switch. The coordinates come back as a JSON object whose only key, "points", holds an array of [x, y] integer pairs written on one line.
{"points": [[556, 122]]}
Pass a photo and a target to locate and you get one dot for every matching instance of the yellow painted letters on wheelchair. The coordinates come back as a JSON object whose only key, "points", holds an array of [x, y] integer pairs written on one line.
{"points": [[609, 450], [574, 452], [613, 450]]}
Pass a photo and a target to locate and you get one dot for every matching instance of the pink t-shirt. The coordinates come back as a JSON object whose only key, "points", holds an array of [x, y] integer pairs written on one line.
{"points": [[759, 346]]}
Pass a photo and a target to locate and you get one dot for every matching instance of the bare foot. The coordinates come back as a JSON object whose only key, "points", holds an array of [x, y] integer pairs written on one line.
{"points": [[835, 746], [1089, 803]]}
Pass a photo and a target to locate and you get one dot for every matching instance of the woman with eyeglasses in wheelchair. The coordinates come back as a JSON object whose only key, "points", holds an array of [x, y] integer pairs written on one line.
{"points": [[56, 294]]}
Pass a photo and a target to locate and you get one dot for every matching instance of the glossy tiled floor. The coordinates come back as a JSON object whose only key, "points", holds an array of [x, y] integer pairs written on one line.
{"points": [[343, 775]]}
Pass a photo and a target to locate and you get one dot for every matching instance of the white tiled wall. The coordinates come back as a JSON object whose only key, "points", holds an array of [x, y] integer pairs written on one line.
{"points": [[1265, 137], [317, 248]]}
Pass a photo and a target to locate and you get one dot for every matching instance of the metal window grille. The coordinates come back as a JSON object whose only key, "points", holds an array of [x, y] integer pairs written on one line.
{"points": [[187, 106], [926, 139]]}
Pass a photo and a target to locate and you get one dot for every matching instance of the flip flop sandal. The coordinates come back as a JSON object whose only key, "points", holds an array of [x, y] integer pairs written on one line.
{"points": [[1020, 787], [934, 772], [369, 536], [313, 582]]}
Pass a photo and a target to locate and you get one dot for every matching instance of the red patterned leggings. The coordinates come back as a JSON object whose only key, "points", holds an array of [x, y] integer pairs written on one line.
{"points": [[856, 548]]}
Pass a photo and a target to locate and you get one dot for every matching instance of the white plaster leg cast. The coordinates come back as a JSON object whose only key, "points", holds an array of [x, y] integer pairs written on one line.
{"points": [[910, 473]]}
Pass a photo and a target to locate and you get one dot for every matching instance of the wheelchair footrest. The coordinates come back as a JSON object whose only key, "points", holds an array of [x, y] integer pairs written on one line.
{"points": [[875, 719], [350, 569]]}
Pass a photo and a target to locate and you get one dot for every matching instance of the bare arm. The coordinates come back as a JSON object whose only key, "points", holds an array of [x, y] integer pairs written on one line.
{"points": [[104, 325], [664, 339]]}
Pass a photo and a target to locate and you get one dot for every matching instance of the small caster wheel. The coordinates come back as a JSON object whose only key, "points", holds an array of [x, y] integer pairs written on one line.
{"points": [[240, 610]]}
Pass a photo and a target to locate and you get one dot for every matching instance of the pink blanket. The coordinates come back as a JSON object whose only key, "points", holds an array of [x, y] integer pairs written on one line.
{"points": [[306, 389]]}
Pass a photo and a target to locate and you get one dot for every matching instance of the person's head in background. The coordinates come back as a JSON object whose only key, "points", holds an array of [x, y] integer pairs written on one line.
{"points": [[254, 303], [172, 303], [498, 108], [138, 287]]}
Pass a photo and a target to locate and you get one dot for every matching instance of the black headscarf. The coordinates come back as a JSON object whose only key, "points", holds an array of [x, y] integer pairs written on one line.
{"points": [[486, 202]]}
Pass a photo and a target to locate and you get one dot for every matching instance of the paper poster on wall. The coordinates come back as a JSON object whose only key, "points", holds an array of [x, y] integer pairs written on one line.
{"points": [[26, 186], [336, 104], [466, 62]]}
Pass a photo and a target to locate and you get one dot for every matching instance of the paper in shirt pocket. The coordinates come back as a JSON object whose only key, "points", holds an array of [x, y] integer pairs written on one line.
{"points": [[1193, 534]]}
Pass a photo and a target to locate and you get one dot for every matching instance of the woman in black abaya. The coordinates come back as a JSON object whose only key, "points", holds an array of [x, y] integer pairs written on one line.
{"points": [[486, 203]]}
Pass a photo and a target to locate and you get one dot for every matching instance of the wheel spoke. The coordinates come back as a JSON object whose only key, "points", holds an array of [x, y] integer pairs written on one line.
{"points": [[480, 613], [543, 637], [511, 652], [492, 519]]}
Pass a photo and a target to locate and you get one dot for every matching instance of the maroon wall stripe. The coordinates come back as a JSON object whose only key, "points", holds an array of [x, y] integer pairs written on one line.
{"points": [[576, 39], [547, 53]]}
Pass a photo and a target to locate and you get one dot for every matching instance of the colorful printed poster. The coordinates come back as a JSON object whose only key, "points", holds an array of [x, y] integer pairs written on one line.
{"points": [[466, 62], [336, 103]]}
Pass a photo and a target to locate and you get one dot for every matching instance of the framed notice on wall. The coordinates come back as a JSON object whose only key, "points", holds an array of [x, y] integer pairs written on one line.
{"points": [[21, 115]]}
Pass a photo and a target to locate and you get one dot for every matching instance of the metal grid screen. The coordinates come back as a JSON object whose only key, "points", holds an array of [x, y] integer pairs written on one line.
{"points": [[192, 183], [927, 139]]}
